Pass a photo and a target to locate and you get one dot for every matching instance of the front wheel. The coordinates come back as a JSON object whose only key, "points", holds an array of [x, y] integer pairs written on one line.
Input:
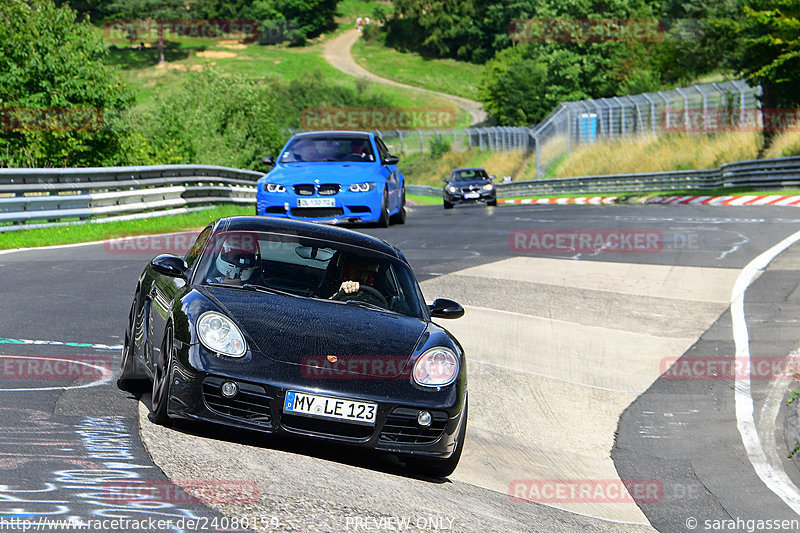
{"points": [[384, 221], [447, 205], [492, 202], [161, 382], [130, 380], [400, 217]]}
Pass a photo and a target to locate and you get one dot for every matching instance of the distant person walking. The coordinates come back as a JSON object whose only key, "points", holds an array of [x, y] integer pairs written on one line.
{"points": [[359, 23]]}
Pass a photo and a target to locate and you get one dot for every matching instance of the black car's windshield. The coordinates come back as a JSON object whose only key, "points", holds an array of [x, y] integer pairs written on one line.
{"points": [[309, 268], [469, 175], [345, 148]]}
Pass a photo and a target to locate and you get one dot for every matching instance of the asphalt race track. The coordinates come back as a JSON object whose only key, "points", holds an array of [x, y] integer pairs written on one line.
{"points": [[594, 366]]}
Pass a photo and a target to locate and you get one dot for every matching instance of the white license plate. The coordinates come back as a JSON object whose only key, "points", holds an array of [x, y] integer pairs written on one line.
{"points": [[316, 202], [301, 403], [471, 195]]}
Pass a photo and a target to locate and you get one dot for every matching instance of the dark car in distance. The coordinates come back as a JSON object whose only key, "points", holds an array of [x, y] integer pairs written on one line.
{"points": [[301, 329], [468, 186]]}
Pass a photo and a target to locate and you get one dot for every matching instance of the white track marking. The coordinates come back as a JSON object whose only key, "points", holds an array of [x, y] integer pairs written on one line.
{"points": [[776, 480], [105, 379]]}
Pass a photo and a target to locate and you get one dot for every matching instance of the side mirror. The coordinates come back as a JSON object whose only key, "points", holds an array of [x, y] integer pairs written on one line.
{"points": [[443, 308], [492, 177], [268, 160], [391, 160], [170, 265], [445, 180]]}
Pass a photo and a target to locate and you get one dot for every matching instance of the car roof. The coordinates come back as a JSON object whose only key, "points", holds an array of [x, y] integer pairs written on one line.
{"points": [[307, 229], [338, 133], [469, 168]]}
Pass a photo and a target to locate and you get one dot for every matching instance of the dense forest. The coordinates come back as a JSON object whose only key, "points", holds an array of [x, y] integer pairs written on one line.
{"points": [[535, 54]]}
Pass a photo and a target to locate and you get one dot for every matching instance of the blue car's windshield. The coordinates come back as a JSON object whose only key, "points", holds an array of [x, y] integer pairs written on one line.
{"points": [[344, 148], [310, 268]]}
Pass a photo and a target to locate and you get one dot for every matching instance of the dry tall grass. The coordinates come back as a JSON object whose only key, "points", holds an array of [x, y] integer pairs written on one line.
{"points": [[784, 145], [662, 153]]}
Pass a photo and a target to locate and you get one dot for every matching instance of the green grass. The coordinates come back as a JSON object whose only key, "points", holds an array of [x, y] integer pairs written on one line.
{"points": [[734, 191], [424, 199], [442, 75], [97, 232], [253, 61]]}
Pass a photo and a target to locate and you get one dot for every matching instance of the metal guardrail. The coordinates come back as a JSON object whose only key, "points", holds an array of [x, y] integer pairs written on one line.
{"points": [[758, 174], [46, 197]]}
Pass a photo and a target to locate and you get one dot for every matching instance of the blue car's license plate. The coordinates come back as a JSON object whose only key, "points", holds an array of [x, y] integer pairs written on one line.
{"points": [[301, 403]]}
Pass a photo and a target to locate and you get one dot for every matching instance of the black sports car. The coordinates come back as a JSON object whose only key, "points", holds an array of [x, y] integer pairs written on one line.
{"points": [[468, 186], [297, 328]]}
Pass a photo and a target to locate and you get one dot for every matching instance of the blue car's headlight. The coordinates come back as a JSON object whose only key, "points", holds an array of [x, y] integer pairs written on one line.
{"points": [[436, 367], [362, 187], [219, 334], [274, 187]]}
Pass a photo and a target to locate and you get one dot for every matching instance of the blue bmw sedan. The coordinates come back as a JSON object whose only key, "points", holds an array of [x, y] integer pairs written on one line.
{"points": [[334, 176]]}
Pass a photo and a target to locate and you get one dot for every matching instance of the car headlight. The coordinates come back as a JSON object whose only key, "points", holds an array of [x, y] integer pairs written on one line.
{"points": [[488, 187], [452, 189], [274, 187], [437, 367], [362, 187], [219, 334]]}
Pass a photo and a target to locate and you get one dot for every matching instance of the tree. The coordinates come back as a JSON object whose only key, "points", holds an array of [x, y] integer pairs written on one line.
{"points": [[151, 12], [60, 104], [768, 53]]}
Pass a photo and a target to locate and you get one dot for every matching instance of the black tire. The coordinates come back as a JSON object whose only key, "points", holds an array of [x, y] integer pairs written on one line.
{"points": [[447, 205], [131, 379], [400, 217], [384, 221], [161, 382], [492, 202], [440, 467]]}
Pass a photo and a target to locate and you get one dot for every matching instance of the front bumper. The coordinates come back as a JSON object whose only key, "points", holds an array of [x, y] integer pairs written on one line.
{"points": [[458, 198], [347, 206], [196, 395]]}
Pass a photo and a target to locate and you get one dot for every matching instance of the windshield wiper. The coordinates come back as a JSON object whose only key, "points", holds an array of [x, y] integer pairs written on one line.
{"points": [[251, 287], [362, 303]]}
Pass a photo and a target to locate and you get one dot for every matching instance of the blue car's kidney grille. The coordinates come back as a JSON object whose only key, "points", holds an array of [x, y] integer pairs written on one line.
{"points": [[304, 190], [251, 404], [401, 427], [328, 189]]}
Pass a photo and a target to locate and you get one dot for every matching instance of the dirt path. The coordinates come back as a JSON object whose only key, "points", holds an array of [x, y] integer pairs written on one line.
{"points": [[337, 53]]}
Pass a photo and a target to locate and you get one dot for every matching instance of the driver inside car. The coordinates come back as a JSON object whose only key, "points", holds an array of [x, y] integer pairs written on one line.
{"points": [[238, 260], [360, 148], [356, 274]]}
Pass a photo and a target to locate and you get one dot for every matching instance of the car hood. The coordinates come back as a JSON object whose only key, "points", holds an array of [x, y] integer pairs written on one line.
{"points": [[459, 184], [306, 331], [291, 173]]}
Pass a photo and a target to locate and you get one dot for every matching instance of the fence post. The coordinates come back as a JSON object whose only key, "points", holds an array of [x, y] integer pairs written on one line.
{"points": [[400, 134], [569, 128], [705, 106], [621, 116], [421, 144], [722, 111], [455, 141], [652, 112], [666, 110], [537, 147], [685, 108]]}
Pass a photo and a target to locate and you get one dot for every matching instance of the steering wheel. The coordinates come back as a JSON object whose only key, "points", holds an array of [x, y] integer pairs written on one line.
{"points": [[370, 292]]}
